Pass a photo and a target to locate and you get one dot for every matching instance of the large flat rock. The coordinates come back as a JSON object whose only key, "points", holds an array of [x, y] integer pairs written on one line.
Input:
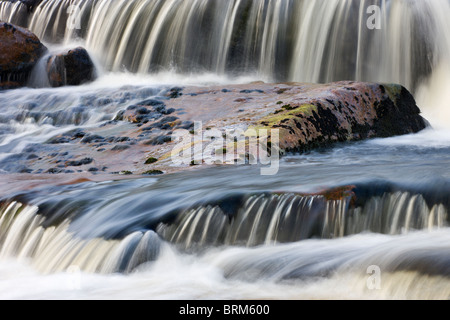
{"points": [[139, 139]]}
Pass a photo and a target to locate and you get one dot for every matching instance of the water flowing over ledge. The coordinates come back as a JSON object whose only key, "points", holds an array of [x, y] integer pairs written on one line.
{"points": [[45, 235], [285, 36], [76, 228], [280, 40]]}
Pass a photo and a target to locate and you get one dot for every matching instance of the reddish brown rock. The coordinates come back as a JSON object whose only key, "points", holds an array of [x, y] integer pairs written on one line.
{"points": [[20, 50], [73, 67], [343, 111]]}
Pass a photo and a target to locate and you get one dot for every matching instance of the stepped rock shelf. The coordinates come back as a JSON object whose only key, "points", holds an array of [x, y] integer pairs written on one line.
{"points": [[139, 138]]}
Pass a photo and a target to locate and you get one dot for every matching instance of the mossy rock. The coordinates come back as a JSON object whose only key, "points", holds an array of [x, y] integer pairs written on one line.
{"points": [[151, 160], [152, 172]]}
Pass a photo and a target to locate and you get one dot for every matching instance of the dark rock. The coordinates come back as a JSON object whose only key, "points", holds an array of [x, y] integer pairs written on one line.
{"points": [[103, 102], [174, 93], [54, 170], [75, 134], [251, 91], [73, 67], [153, 173], [151, 103], [126, 173], [32, 157], [58, 140], [20, 50], [92, 138], [142, 110], [186, 125], [120, 148], [158, 140], [78, 163], [151, 160], [170, 111]]}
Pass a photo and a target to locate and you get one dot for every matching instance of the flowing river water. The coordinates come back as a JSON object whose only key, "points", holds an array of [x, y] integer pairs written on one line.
{"points": [[228, 232]]}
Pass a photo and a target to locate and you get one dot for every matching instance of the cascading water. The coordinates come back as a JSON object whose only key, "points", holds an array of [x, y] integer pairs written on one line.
{"points": [[274, 40], [172, 236], [290, 218], [54, 249], [47, 239]]}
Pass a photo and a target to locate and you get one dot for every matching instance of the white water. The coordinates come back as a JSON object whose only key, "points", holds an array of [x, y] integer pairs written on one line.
{"points": [[178, 276], [178, 42], [289, 218]]}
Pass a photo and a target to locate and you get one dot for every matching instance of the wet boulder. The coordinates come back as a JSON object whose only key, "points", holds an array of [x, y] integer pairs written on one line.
{"points": [[343, 111], [73, 67], [20, 50]]}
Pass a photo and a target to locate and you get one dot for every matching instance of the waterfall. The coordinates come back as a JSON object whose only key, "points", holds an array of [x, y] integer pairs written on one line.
{"points": [[313, 41], [275, 40], [13, 12], [269, 219], [260, 220], [55, 249]]}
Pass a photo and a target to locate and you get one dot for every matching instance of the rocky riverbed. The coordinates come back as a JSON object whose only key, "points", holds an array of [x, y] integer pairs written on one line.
{"points": [[134, 132]]}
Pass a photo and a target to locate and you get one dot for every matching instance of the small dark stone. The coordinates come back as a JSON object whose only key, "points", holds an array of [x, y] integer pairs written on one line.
{"points": [[151, 103], [122, 139], [92, 138], [32, 156], [126, 173], [151, 160], [78, 163], [186, 125], [54, 170], [58, 140], [120, 148], [170, 111], [153, 172], [75, 134], [158, 140], [251, 91], [175, 92], [142, 110], [103, 102]]}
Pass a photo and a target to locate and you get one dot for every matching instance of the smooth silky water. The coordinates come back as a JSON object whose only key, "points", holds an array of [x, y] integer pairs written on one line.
{"points": [[228, 232]]}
